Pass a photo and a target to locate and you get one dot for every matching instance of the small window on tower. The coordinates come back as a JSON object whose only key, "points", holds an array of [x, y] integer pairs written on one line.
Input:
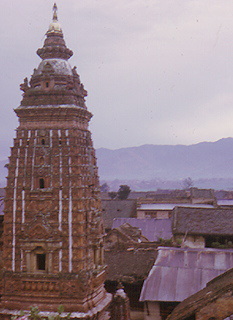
{"points": [[43, 141], [47, 84], [41, 183], [40, 261]]}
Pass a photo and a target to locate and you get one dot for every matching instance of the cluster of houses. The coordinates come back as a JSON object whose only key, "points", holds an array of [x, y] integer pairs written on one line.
{"points": [[165, 248]]}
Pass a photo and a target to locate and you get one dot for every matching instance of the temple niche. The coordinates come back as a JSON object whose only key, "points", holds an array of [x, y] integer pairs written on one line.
{"points": [[53, 232]]}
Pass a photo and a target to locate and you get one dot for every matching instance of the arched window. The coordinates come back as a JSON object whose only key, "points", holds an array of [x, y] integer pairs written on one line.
{"points": [[43, 141], [41, 183]]}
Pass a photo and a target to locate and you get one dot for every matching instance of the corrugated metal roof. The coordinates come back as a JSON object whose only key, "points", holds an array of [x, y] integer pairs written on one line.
{"points": [[225, 202], [152, 229], [171, 206], [215, 290], [179, 273]]}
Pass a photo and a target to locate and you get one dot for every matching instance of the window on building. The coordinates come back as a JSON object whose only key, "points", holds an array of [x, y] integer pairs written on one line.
{"points": [[40, 261], [41, 183], [43, 141], [47, 84]]}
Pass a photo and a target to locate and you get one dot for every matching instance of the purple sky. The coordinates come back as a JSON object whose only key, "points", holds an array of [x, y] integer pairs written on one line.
{"points": [[157, 72]]}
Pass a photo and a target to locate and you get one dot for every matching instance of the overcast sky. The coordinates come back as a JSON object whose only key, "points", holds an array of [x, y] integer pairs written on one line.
{"points": [[156, 72]]}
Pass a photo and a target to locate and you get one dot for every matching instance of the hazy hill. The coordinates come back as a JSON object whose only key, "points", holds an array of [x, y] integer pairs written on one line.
{"points": [[203, 160], [210, 163]]}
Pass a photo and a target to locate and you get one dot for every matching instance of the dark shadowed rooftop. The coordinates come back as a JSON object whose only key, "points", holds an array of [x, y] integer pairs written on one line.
{"points": [[217, 221]]}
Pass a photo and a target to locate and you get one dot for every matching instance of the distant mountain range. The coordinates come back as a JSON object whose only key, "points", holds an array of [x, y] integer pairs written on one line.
{"points": [[170, 162], [206, 162]]}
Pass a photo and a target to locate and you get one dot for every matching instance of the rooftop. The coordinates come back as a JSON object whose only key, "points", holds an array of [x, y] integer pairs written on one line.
{"points": [[117, 208], [171, 206], [214, 289], [179, 273], [205, 221], [129, 266], [152, 229]]}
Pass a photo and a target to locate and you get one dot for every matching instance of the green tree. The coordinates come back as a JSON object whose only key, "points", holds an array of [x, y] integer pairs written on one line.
{"points": [[123, 192], [112, 194]]}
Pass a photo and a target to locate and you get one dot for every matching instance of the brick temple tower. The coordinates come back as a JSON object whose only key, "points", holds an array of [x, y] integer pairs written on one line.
{"points": [[53, 233]]}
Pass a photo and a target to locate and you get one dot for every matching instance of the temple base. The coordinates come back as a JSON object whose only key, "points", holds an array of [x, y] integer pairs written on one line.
{"points": [[99, 312]]}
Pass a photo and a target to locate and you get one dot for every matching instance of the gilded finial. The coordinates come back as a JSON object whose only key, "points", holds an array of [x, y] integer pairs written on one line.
{"points": [[55, 12], [54, 26]]}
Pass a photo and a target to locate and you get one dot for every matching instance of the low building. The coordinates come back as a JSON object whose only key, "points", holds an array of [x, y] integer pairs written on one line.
{"points": [[164, 210], [117, 208], [130, 267], [123, 237], [179, 273], [206, 196], [160, 205], [203, 227]]}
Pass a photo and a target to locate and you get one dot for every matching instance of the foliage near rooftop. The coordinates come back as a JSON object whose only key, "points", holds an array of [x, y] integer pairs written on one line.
{"points": [[35, 314], [169, 243], [226, 245], [122, 193]]}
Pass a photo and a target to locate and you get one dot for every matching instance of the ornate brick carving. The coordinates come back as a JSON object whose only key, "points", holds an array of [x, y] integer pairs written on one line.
{"points": [[52, 209]]}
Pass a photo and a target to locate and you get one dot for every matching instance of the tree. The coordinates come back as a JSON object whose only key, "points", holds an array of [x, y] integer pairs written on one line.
{"points": [[188, 183], [112, 194], [123, 192], [104, 187]]}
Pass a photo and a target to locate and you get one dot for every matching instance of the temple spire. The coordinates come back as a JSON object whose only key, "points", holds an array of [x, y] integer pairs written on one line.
{"points": [[54, 45], [55, 12], [55, 26]]}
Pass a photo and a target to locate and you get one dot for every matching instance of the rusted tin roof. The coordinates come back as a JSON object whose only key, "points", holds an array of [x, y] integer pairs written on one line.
{"points": [[179, 273]]}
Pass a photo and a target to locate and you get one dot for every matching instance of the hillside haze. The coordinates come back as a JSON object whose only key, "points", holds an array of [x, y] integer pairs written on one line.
{"points": [[203, 160]]}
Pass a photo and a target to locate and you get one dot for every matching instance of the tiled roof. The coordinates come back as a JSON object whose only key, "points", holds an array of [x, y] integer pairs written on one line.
{"points": [[129, 266], [179, 273], [130, 232], [117, 208], [202, 193], [152, 229], [217, 221]]}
